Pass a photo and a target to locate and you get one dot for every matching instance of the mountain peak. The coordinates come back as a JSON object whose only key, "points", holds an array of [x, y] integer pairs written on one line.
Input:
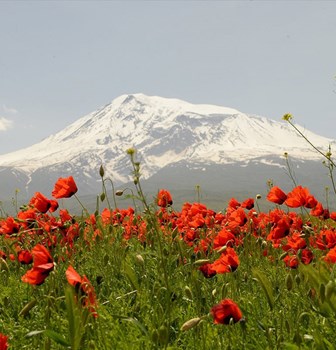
{"points": [[164, 131]]}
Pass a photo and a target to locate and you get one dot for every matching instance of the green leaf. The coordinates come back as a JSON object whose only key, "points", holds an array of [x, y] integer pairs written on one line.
{"points": [[56, 337], [134, 321], [266, 286], [26, 309], [131, 275], [290, 346]]}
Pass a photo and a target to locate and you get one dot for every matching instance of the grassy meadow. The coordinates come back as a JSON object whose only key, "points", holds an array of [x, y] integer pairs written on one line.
{"points": [[153, 277]]}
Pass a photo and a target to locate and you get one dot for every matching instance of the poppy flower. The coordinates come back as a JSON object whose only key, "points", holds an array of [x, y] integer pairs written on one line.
{"points": [[53, 205], [43, 264], [25, 257], [224, 237], [164, 199], [227, 262], [276, 195], [331, 256], [9, 226], [226, 311], [64, 188], [291, 261], [84, 288], [233, 203], [318, 210], [248, 204], [40, 202], [306, 256], [300, 197], [207, 271], [3, 342]]}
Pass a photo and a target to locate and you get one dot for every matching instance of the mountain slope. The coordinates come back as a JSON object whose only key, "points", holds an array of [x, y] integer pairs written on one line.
{"points": [[164, 132]]}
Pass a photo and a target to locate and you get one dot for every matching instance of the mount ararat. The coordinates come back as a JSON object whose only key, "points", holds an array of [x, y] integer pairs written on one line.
{"points": [[179, 145]]}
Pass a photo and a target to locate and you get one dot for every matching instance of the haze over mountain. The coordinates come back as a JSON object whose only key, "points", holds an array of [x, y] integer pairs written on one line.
{"points": [[178, 144]]}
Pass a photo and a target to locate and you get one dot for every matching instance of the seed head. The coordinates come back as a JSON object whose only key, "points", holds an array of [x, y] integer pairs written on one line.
{"points": [[287, 117]]}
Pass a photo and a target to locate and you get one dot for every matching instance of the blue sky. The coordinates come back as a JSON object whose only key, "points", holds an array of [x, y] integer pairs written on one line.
{"points": [[61, 60]]}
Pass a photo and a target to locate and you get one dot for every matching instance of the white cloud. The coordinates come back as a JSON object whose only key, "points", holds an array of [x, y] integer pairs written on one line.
{"points": [[5, 124], [10, 110]]}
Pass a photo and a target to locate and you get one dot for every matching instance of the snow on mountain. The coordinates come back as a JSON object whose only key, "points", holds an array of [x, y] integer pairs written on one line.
{"points": [[163, 131]]}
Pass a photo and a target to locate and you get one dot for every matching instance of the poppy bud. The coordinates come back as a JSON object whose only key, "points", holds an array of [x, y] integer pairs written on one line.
{"points": [[130, 151], [101, 171], [188, 292], [289, 282], [140, 259], [190, 324], [201, 262], [163, 335], [329, 290]]}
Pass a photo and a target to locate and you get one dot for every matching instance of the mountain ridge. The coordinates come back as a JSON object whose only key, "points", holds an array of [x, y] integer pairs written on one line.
{"points": [[164, 132]]}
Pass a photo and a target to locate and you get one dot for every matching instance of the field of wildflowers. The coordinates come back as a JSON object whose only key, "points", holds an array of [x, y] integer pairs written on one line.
{"points": [[152, 277]]}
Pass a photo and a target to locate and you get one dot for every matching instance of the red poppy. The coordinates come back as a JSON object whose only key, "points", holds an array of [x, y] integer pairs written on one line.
{"points": [[233, 203], [325, 239], [307, 256], [64, 215], [43, 264], [25, 257], [64, 188], [291, 261], [237, 218], [280, 229], [207, 271], [164, 199], [331, 256], [226, 311], [40, 202], [9, 226], [224, 237], [227, 262], [84, 288], [294, 243], [300, 197], [276, 195], [3, 342], [318, 210], [248, 203], [53, 205]]}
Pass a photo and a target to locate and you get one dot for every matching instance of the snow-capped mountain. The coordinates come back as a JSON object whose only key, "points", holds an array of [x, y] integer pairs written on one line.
{"points": [[164, 132]]}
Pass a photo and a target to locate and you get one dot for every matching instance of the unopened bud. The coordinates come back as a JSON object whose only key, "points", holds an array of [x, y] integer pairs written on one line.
{"points": [[287, 117], [289, 282], [190, 324], [101, 171], [329, 289], [119, 193], [130, 151], [222, 249], [163, 335], [188, 292], [140, 259], [201, 262]]}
